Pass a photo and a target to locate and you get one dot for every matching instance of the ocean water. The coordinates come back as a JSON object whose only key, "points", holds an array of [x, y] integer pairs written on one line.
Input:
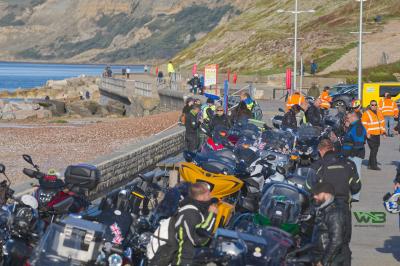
{"points": [[31, 75]]}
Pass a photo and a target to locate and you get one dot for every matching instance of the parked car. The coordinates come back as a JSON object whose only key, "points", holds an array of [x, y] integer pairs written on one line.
{"points": [[339, 88], [344, 96]]}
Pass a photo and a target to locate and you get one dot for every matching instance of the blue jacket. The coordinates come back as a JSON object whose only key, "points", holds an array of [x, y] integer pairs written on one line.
{"points": [[354, 140]]}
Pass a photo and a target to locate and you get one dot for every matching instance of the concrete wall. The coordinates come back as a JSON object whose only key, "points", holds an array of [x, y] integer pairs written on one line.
{"points": [[120, 167]]}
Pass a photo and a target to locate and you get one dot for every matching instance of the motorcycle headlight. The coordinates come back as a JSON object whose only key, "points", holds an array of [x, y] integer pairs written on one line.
{"points": [[144, 239], [115, 260]]}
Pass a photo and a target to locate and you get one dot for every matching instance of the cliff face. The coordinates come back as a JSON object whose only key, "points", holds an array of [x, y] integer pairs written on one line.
{"points": [[106, 30]]}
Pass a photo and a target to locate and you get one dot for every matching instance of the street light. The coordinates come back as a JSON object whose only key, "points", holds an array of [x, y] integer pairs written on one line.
{"points": [[296, 11], [360, 49]]}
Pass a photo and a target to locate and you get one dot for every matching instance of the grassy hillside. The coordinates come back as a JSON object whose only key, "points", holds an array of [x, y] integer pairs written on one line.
{"points": [[257, 40]]}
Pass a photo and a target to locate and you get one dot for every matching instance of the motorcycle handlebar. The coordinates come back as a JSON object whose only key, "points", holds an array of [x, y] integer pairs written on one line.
{"points": [[33, 174]]}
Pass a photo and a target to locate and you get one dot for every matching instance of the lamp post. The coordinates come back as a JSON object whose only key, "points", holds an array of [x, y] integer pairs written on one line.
{"points": [[296, 12], [360, 36]]}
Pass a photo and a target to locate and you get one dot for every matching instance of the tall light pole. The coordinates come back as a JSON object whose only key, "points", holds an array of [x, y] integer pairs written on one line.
{"points": [[296, 12], [360, 50]]}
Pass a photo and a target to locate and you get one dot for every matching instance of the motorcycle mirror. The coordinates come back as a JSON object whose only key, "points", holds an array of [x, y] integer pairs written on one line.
{"points": [[281, 170], [281, 110], [28, 159], [188, 156], [271, 157], [2, 168]]}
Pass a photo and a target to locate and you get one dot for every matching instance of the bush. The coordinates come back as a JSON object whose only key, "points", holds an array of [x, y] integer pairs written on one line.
{"points": [[381, 77]]}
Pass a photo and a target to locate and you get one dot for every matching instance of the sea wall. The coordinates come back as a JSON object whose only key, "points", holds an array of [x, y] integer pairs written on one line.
{"points": [[122, 166]]}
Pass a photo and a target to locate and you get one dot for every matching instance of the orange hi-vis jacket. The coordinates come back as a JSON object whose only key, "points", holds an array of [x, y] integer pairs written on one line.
{"points": [[388, 107], [325, 100], [294, 99], [373, 123]]}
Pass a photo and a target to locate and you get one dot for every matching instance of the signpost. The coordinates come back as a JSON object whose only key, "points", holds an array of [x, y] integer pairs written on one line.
{"points": [[211, 76]]}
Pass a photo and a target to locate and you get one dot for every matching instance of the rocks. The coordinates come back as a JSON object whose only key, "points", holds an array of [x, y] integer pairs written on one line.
{"points": [[25, 114], [42, 114], [23, 111]]}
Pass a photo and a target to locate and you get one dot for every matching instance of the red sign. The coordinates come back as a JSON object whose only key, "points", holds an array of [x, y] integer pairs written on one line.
{"points": [[194, 69], [234, 78], [288, 79]]}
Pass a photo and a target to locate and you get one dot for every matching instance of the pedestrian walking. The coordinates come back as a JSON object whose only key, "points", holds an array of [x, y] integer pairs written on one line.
{"points": [[374, 123], [390, 112], [128, 72]]}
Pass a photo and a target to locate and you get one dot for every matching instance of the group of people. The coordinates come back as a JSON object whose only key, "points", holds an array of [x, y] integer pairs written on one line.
{"points": [[212, 114]]}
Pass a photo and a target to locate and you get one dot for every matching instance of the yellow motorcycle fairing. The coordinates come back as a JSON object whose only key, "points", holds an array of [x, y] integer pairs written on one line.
{"points": [[225, 211], [220, 185]]}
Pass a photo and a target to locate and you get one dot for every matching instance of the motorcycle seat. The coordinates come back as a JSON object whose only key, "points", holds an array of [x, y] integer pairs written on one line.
{"points": [[57, 184], [64, 205]]}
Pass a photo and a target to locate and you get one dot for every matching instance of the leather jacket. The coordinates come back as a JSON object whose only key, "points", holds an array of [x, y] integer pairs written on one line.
{"points": [[332, 232], [289, 120]]}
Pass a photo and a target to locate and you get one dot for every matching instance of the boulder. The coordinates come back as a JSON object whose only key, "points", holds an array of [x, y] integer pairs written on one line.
{"points": [[79, 109], [8, 116], [25, 114], [41, 114]]}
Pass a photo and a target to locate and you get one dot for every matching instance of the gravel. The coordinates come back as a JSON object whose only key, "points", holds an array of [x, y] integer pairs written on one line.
{"points": [[53, 145]]}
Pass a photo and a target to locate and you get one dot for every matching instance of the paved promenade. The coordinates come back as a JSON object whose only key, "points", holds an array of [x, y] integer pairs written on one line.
{"points": [[371, 246]]}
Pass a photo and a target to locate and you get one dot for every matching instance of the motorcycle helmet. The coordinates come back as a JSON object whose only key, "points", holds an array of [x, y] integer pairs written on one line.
{"points": [[392, 202], [115, 260]]}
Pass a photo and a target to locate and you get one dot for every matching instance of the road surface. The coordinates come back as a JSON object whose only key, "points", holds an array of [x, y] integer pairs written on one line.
{"points": [[371, 245]]}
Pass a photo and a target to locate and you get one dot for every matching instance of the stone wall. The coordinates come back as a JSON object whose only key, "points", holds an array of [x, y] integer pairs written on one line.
{"points": [[120, 167]]}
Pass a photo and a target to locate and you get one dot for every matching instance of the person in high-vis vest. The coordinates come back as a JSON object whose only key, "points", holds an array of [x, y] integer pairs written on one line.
{"points": [[390, 111], [208, 110], [374, 122], [295, 98], [245, 97], [325, 99]]}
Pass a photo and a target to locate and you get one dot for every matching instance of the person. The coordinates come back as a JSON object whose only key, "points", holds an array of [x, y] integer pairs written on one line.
{"points": [[373, 121], [314, 114], [289, 120], [332, 231], [192, 124], [325, 98], [336, 170], [390, 112], [128, 72], [171, 70], [313, 67], [146, 69], [220, 119], [186, 110], [196, 211], [295, 98], [313, 91], [160, 77], [354, 143], [241, 113], [194, 83], [208, 110], [250, 103], [87, 95], [201, 85]]}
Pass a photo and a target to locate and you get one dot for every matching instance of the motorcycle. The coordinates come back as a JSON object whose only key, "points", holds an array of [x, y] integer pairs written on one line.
{"points": [[49, 184]]}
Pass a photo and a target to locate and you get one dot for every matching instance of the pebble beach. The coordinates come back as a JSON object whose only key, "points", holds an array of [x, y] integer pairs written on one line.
{"points": [[56, 145]]}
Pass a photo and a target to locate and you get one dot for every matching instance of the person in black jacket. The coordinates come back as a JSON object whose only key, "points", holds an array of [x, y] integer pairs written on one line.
{"points": [[195, 213], [186, 110], [314, 114], [289, 119], [332, 231], [337, 170], [195, 83], [219, 119], [192, 125]]}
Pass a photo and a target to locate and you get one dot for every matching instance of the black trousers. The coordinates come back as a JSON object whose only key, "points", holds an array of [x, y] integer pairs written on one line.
{"points": [[192, 141], [373, 142]]}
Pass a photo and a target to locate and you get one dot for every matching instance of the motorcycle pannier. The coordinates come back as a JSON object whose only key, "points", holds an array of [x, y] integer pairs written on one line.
{"points": [[82, 175]]}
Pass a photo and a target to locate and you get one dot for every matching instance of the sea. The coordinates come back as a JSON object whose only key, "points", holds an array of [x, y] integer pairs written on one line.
{"points": [[31, 75]]}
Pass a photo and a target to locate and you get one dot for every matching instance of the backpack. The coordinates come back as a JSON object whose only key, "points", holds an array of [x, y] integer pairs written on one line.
{"points": [[163, 243]]}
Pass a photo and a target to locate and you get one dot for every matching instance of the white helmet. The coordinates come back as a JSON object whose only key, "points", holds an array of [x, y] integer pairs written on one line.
{"points": [[392, 204]]}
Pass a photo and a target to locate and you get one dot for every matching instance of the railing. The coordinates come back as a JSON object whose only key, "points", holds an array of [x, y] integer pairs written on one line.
{"points": [[143, 88], [125, 87]]}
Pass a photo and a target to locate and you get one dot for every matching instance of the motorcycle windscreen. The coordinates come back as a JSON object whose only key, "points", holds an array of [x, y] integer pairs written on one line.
{"points": [[220, 185], [281, 204], [306, 132], [64, 246], [278, 140]]}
